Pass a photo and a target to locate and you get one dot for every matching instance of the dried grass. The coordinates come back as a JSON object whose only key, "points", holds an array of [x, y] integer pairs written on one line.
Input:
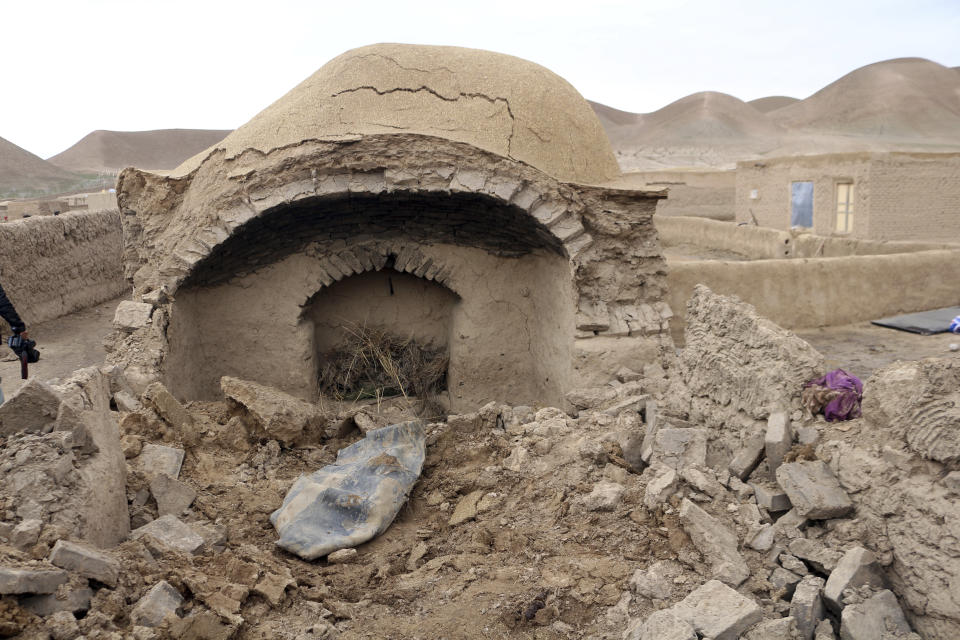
{"points": [[373, 363]]}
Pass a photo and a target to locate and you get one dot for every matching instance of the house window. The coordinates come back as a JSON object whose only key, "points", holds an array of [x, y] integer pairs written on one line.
{"points": [[844, 207]]}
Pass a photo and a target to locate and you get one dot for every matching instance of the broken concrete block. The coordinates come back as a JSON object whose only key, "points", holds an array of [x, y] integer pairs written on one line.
{"points": [[717, 611], [716, 543], [824, 631], [159, 604], [26, 534], [778, 440], [630, 403], [72, 600], [748, 457], [169, 408], [171, 532], [604, 497], [679, 448], [88, 562], [813, 490], [806, 607], [126, 402], [816, 554], [131, 315], [857, 567], [587, 398], [172, 496], [661, 486], [273, 586], [625, 374], [275, 415], [771, 497], [808, 435], [703, 481], [656, 582], [157, 459], [466, 508], [877, 617], [779, 629], [62, 625], [32, 408], [764, 539], [793, 563], [15, 581], [665, 624], [784, 579]]}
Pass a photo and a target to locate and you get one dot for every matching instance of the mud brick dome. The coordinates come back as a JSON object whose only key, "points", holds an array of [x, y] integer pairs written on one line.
{"points": [[462, 198]]}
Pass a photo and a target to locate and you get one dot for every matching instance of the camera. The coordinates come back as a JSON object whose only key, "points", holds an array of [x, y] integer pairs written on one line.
{"points": [[23, 346]]}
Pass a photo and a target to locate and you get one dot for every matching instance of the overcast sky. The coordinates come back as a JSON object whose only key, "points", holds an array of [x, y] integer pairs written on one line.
{"points": [[70, 67]]}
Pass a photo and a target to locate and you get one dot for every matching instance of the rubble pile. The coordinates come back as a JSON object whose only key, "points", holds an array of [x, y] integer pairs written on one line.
{"points": [[634, 515]]}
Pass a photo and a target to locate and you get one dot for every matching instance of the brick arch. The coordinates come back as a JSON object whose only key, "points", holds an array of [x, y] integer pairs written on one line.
{"points": [[340, 264], [500, 205]]}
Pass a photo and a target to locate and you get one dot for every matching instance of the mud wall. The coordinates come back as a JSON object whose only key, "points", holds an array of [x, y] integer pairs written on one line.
{"points": [[765, 243], [703, 194], [54, 265], [514, 315], [825, 291]]}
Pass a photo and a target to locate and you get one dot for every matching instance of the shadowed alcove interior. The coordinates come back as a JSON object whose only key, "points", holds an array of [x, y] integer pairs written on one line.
{"points": [[481, 280]]}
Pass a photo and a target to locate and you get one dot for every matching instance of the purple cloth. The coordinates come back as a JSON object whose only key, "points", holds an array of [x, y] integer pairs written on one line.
{"points": [[846, 406]]}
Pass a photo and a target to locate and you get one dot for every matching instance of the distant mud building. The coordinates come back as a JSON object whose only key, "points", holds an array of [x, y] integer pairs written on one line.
{"points": [[874, 196], [462, 198]]}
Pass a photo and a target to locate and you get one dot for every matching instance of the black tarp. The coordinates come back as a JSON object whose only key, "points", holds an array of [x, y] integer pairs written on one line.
{"points": [[924, 322]]}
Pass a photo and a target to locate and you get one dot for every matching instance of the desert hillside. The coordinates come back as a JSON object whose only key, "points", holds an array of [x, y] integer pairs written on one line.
{"points": [[901, 104], [114, 150], [23, 174]]}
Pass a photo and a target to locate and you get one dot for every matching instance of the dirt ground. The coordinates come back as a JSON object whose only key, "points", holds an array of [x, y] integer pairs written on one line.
{"points": [[65, 344]]}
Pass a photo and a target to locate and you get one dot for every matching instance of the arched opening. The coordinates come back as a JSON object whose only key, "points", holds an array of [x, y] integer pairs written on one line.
{"points": [[382, 333]]}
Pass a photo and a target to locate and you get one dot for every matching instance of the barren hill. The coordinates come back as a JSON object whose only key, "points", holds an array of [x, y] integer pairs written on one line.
{"points": [[906, 99], [769, 103], [115, 150], [23, 174]]}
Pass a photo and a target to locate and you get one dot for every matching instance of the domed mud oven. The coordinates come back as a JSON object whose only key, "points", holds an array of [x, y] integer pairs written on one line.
{"points": [[463, 199]]}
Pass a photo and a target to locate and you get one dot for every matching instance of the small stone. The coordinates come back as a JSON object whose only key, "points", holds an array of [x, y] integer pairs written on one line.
{"points": [[819, 556], [26, 534], [716, 543], [857, 567], [748, 457], [703, 481], [159, 604], [16, 581], [628, 375], [793, 563], [32, 408], [88, 562], [779, 629], [952, 481], [824, 631], [771, 497], [73, 600], [416, 555], [665, 624], [718, 612], [62, 625], [763, 540], [171, 532], [808, 435], [156, 459], [777, 441], [173, 497], [273, 586], [131, 315], [343, 556], [126, 402], [466, 508], [661, 486], [679, 448], [783, 579], [656, 582], [880, 616], [806, 607], [604, 497], [170, 409], [813, 490]]}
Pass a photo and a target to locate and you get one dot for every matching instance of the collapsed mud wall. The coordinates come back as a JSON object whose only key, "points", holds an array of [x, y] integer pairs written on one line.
{"points": [[823, 292], [54, 265]]}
